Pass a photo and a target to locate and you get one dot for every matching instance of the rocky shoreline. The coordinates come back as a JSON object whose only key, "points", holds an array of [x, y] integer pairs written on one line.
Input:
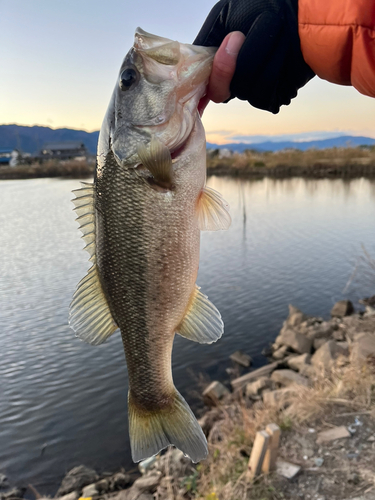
{"points": [[304, 353]]}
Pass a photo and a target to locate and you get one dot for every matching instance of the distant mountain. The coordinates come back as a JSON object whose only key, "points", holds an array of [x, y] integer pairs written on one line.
{"points": [[336, 142], [32, 139]]}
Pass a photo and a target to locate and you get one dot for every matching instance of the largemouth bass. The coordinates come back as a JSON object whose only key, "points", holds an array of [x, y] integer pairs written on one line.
{"points": [[141, 220]]}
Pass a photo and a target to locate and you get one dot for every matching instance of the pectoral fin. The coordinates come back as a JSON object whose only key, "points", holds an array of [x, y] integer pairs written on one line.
{"points": [[202, 322], [212, 211], [157, 159], [89, 313]]}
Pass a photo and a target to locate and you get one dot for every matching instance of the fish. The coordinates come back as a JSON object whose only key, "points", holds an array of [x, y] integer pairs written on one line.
{"points": [[141, 220]]}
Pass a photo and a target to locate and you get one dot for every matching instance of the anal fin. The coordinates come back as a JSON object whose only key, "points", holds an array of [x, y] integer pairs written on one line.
{"points": [[202, 322]]}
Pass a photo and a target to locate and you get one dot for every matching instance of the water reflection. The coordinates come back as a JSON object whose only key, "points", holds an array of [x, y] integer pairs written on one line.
{"points": [[291, 241]]}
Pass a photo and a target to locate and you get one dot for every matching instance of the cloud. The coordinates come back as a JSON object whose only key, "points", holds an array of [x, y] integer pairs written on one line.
{"points": [[228, 136], [299, 137], [224, 133]]}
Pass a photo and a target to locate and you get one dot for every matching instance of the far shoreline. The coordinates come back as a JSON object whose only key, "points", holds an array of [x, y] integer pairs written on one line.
{"points": [[333, 163]]}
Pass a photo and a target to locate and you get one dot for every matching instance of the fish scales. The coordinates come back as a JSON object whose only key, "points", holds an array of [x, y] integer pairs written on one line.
{"points": [[156, 267], [141, 220]]}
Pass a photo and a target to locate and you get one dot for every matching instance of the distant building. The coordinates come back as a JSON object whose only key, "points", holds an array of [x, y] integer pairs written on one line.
{"points": [[9, 157], [63, 151], [225, 153]]}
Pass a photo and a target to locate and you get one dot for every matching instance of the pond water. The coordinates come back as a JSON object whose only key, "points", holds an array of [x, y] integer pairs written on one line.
{"points": [[63, 403]]}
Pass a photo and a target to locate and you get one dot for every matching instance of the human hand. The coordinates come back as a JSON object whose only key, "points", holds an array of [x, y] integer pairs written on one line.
{"points": [[269, 67], [223, 68]]}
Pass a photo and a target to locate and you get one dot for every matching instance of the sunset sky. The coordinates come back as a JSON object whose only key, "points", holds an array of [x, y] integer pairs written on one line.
{"points": [[60, 59]]}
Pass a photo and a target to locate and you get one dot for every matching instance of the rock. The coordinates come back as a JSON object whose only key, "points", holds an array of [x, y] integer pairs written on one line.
{"points": [[281, 352], [342, 308], [362, 348], [296, 317], [13, 493], [89, 491], [215, 392], [318, 343], [148, 482], [103, 486], [369, 301], [321, 331], [241, 358], [333, 434], [318, 461], [296, 341], [289, 377], [132, 494], [299, 362], [3, 481], [327, 353], [308, 371], [267, 351], [119, 481], [77, 478], [208, 420], [74, 495], [240, 382], [253, 389], [343, 348], [338, 335], [279, 397], [287, 469], [354, 478], [174, 463]]}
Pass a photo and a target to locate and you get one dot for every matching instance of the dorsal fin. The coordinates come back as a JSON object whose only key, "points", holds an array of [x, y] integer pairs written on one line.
{"points": [[89, 313]]}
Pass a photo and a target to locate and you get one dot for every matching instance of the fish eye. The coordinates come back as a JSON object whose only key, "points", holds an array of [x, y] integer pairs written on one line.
{"points": [[127, 78]]}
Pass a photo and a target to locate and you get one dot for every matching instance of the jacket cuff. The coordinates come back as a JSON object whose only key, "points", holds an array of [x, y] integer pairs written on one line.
{"points": [[338, 41]]}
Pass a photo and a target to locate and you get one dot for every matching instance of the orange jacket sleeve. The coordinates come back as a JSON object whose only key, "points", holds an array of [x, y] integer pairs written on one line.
{"points": [[338, 41]]}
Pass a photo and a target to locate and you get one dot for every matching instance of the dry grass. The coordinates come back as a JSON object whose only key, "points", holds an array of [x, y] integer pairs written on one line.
{"points": [[50, 168], [346, 162], [223, 475], [346, 386]]}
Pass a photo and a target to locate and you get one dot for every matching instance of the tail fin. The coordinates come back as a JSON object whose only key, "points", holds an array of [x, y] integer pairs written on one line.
{"points": [[152, 431]]}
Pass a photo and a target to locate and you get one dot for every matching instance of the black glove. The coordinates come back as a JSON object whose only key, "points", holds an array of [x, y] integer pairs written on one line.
{"points": [[270, 67]]}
